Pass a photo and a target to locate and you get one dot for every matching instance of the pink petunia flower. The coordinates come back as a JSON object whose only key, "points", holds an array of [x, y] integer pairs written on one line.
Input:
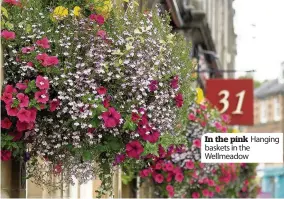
{"points": [[217, 189], [98, 18], [42, 96], [21, 86], [5, 155], [119, 158], [101, 90], [144, 173], [191, 117], [195, 195], [106, 103], [23, 100], [153, 86], [197, 143], [10, 89], [169, 166], [111, 118], [7, 98], [11, 111], [135, 117], [179, 177], [24, 115], [42, 82], [44, 43], [8, 35], [28, 49], [102, 34], [159, 178], [33, 113], [189, 164], [6, 123], [23, 126], [205, 193], [134, 149], [53, 104], [179, 100], [149, 134], [174, 82], [47, 60], [17, 135], [13, 2]]}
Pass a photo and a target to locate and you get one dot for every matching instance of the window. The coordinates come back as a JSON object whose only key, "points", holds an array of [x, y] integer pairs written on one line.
{"points": [[263, 113], [276, 108]]}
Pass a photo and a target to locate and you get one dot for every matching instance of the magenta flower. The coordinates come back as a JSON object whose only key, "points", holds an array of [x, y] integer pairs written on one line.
{"points": [[24, 115], [28, 49], [153, 85], [149, 134], [21, 86], [119, 158], [111, 118], [206, 193], [135, 117], [7, 98], [11, 111], [42, 82], [5, 155], [41, 96], [44, 43], [98, 18], [134, 149], [6, 123], [23, 126], [174, 82], [47, 60], [53, 104], [159, 178], [189, 165], [179, 177], [102, 34], [169, 166], [195, 195], [23, 100], [33, 113], [10, 89], [179, 100], [191, 117], [101, 90], [8, 35], [197, 143], [13, 2]]}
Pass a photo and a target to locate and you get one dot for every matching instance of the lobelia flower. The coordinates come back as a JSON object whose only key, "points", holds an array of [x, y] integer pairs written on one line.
{"points": [[179, 177], [8, 35], [153, 86], [159, 178], [11, 111], [6, 155], [195, 195], [53, 104], [21, 86], [197, 143], [77, 11], [134, 149], [101, 90], [189, 165], [174, 82], [41, 96], [28, 49], [111, 118], [179, 100], [102, 34], [42, 82], [23, 100], [6, 123]]}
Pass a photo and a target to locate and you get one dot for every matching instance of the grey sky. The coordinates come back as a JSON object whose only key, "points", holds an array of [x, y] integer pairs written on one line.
{"points": [[259, 25]]}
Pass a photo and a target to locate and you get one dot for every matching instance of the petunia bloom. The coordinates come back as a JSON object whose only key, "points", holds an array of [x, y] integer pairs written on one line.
{"points": [[153, 85], [195, 195], [159, 178], [23, 126], [7, 98], [13, 2], [6, 123], [102, 34], [191, 117], [21, 86], [23, 100], [189, 164], [101, 90], [197, 143], [42, 82], [28, 49], [174, 82], [24, 115], [119, 158], [135, 117], [42, 96], [8, 35], [44, 43], [179, 177], [98, 18], [5, 155], [205, 192], [111, 118], [179, 100], [134, 149], [53, 104]]}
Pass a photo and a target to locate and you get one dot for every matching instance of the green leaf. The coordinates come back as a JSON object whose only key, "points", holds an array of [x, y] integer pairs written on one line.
{"points": [[4, 12], [129, 125], [151, 148], [87, 155], [95, 122]]}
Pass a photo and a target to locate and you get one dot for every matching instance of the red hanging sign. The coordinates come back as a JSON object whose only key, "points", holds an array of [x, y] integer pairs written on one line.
{"points": [[233, 97]]}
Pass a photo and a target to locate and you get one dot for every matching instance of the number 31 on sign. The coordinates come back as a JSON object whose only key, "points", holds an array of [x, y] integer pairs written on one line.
{"points": [[233, 97]]}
